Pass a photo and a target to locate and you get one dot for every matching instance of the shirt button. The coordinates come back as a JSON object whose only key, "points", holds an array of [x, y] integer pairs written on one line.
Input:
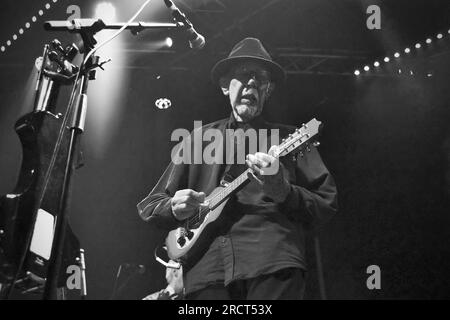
{"points": [[224, 241]]}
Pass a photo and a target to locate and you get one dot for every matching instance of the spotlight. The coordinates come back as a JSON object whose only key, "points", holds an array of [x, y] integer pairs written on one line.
{"points": [[386, 59], [105, 11], [366, 68], [407, 50], [376, 64], [399, 71], [169, 42], [3, 48], [428, 41], [357, 73], [439, 36], [418, 45], [429, 75], [396, 54]]}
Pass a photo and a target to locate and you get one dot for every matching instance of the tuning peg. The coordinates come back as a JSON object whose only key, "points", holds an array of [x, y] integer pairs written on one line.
{"points": [[308, 149]]}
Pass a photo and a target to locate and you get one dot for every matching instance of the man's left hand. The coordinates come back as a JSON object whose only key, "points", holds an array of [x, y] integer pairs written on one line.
{"points": [[274, 184]]}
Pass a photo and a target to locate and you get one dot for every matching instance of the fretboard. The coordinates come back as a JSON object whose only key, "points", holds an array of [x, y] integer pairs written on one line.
{"points": [[229, 189]]}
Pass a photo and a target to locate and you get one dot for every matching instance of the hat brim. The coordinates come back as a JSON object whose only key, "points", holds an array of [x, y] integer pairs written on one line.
{"points": [[224, 65]]}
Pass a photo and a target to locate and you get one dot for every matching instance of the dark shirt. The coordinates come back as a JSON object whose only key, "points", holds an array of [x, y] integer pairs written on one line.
{"points": [[254, 235]]}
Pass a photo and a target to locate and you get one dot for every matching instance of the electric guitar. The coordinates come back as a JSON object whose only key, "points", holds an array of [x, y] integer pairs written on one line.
{"points": [[184, 239]]}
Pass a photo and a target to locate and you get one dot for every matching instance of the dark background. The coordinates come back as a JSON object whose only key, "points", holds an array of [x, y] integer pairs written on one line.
{"points": [[386, 137]]}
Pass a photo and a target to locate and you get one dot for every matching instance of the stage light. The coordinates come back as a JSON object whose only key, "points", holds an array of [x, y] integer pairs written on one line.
{"points": [[439, 36], [14, 36], [376, 64], [366, 68], [399, 71], [169, 42], [105, 118], [397, 55], [33, 18], [163, 103], [8, 43], [47, 6], [21, 31], [105, 11], [429, 75], [418, 45], [357, 73], [386, 59], [3, 48], [428, 41], [411, 72], [407, 50]]}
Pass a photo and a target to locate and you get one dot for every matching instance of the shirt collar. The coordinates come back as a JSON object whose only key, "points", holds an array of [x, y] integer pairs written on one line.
{"points": [[256, 123]]}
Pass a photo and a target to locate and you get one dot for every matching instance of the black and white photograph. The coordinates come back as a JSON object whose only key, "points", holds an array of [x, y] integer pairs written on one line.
{"points": [[224, 150]]}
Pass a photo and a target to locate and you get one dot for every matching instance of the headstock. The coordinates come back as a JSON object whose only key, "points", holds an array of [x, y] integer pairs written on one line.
{"points": [[301, 139]]}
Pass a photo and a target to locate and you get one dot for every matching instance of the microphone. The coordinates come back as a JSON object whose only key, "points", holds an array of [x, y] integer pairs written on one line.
{"points": [[139, 268], [196, 40]]}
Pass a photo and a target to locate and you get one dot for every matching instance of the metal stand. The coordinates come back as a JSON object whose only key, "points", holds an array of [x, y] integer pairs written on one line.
{"points": [[87, 28]]}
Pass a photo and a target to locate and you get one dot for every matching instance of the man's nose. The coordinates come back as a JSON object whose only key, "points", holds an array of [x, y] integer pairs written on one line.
{"points": [[252, 82]]}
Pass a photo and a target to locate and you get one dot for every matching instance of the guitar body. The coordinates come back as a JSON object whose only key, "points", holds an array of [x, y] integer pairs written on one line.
{"points": [[38, 132], [178, 244]]}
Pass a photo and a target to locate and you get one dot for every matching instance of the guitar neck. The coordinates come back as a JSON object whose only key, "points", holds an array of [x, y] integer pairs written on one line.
{"points": [[295, 140], [232, 187], [229, 189]]}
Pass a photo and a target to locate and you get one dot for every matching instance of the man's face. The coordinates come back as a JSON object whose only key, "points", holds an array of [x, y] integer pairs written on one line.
{"points": [[248, 86]]}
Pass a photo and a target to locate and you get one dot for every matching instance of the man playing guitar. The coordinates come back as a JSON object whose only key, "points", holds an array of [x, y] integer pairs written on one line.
{"points": [[256, 248]]}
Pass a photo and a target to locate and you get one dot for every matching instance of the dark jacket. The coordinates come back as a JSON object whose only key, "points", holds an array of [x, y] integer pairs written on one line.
{"points": [[251, 239]]}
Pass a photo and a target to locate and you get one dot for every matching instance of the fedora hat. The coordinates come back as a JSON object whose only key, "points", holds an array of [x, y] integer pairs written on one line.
{"points": [[248, 49]]}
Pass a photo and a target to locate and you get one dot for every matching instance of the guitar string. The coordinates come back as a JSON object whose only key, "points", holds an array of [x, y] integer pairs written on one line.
{"points": [[224, 193]]}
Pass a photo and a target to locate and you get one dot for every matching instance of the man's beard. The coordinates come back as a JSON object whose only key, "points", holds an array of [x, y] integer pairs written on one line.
{"points": [[247, 112]]}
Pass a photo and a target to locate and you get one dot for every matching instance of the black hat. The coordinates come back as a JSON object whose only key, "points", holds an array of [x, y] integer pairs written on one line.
{"points": [[249, 49]]}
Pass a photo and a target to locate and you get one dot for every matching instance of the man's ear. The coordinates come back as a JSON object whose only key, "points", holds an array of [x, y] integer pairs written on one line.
{"points": [[224, 83]]}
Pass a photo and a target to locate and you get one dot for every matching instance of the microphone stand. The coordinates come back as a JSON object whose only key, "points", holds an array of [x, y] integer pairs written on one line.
{"points": [[87, 28]]}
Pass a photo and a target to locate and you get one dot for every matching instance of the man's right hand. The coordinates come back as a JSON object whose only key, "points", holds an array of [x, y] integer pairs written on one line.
{"points": [[185, 203]]}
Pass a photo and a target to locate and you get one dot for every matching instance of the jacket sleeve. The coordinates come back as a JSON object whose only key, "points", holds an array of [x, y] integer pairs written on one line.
{"points": [[313, 197], [156, 207]]}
